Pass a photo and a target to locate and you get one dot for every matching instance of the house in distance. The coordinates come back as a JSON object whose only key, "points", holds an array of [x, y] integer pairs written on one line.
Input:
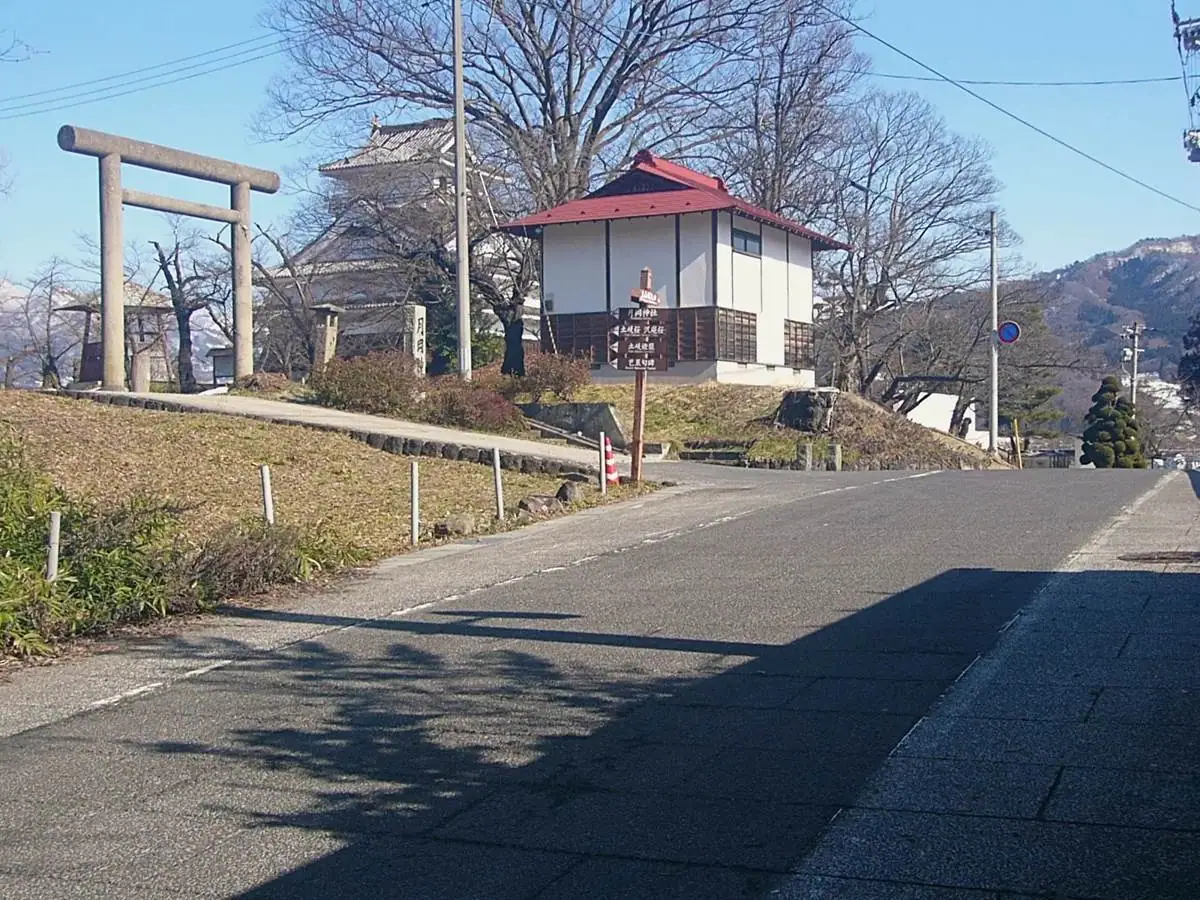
{"points": [[735, 281]]}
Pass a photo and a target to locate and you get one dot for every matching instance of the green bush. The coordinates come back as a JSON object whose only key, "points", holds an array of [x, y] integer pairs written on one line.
{"points": [[254, 556], [1112, 439], [381, 383]]}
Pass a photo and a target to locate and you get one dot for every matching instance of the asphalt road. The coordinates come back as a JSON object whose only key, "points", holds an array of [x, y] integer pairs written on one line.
{"points": [[667, 700]]}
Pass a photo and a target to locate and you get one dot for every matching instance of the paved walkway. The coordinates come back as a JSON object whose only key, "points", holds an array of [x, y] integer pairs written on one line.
{"points": [[305, 414], [1066, 762]]}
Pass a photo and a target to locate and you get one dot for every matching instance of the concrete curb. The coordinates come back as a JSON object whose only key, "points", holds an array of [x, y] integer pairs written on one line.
{"points": [[476, 452]]}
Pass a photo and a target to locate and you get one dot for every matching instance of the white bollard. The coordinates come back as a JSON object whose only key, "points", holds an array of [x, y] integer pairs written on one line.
{"points": [[499, 483], [415, 514], [268, 498], [52, 549], [603, 468]]}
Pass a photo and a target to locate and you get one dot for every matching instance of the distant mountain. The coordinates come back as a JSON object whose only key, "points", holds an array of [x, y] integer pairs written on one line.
{"points": [[1156, 281]]}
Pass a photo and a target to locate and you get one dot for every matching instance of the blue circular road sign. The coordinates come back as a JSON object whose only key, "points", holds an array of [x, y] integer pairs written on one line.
{"points": [[1008, 332]]}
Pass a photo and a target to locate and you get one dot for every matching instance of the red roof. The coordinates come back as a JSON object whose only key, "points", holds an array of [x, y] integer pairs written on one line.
{"points": [[673, 190]]}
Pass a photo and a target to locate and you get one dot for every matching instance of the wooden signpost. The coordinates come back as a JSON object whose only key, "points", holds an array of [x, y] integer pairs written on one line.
{"points": [[638, 344]]}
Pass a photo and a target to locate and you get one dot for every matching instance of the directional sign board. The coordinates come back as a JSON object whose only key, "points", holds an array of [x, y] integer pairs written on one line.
{"points": [[638, 340], [645, 296]]}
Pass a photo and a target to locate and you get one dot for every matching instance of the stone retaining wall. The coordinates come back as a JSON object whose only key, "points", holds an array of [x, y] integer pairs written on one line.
{"points": [[388, 443]]}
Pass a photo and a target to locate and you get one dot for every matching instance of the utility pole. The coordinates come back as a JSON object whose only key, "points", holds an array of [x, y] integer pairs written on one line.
{"points": [[994, 405], [460, 202], [1134, 333]]}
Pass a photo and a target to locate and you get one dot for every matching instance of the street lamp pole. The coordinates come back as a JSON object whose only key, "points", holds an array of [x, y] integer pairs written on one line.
{"points": [[460, 202]]}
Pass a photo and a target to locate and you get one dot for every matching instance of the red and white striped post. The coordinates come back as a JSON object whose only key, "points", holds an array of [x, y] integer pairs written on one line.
{"points": [[610, 463]]}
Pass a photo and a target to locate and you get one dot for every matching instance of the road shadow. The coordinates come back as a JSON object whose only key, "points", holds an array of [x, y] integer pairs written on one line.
{"points": [[1194, 478], [517, 757]]}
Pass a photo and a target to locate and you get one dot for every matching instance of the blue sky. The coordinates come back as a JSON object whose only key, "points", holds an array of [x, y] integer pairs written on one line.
{"points": [[1064, 207]]}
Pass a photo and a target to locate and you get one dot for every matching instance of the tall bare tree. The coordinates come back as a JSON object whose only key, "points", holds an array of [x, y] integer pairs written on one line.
{"points": [[793, 113], [913, 202], [945, 348], [192, 285], [558, 92], [38, 341], [286, 309]]}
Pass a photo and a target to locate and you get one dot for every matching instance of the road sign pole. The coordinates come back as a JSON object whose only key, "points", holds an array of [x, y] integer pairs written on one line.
{"points": [[644, 293], [639, 425], [994, 398]]}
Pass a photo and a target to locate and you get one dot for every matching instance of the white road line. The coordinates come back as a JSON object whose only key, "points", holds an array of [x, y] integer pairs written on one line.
{"points": [[211, 667], [417, 608], [117, 698]]}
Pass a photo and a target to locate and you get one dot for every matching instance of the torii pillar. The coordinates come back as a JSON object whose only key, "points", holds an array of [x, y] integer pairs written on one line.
{"points": [[112, 150]]}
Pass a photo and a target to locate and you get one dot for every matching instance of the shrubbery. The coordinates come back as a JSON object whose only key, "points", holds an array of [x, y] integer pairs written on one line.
{"points": [[127, 564], [558, 376], [384, 383], [1112, 439], [456, 404]]}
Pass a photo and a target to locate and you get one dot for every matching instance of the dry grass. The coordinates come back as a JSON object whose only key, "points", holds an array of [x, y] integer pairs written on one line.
{"points": [[678, 413], [869, 433], [210, 464]]}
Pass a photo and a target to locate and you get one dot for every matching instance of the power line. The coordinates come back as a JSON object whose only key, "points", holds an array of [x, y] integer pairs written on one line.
{"points": [[145, 87], [5, 101], [1016, 118], [153, 80], [1167, 79]]}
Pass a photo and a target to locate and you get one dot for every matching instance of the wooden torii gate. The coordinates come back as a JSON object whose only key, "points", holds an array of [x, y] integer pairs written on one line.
{"points": [[112, 150]]}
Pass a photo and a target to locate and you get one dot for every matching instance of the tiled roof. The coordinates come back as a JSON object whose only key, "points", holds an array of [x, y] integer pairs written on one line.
{"points": [[678, 190], [388, 144], [136, 297]]}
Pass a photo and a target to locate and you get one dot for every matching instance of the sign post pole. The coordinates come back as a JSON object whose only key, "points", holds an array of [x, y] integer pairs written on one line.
{"points": [[638, 344], [645, 292], [639, 425]]}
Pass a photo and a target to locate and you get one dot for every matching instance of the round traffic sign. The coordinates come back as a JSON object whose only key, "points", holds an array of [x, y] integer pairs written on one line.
{"points": [[1008, 332]]}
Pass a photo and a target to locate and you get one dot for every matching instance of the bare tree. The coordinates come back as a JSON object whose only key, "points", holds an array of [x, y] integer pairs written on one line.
{"points": [[913, 203], [38, 340], [12, 50], [794, 110], [944, 347], [292, 284], [193, 285], [558, 92]]}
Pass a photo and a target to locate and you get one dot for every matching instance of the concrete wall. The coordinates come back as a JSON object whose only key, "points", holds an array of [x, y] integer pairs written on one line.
{"points": [[588, 418], [937, 411], [695, 260], [636, 244], [573, 267], [724, 372], [775, 287], [724, 262], [746, 281], [800, 279]]}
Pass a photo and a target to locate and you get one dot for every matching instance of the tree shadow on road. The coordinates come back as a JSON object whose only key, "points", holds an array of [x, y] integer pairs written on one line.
{"points": [[460, 757]]}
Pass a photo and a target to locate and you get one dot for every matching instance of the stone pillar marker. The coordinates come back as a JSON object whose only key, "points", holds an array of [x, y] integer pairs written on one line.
{"points": [[113, 150], [326, 335], [139, 371]]}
